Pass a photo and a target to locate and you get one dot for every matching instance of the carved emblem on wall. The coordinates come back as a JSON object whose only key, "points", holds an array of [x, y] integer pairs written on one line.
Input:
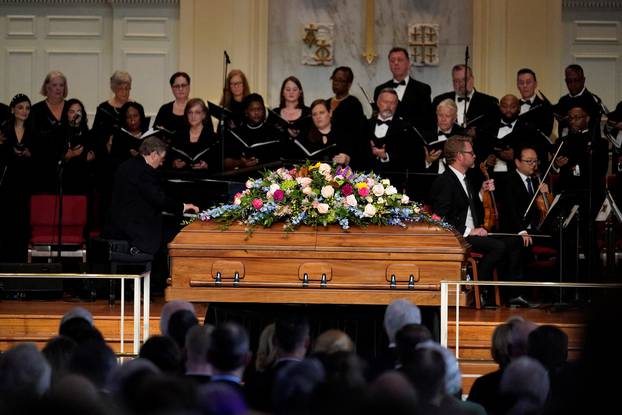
{"points": [[318, 44], [423, 42]]}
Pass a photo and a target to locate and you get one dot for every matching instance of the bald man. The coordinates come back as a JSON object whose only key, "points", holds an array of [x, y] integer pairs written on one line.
{"points": [[509, 133]]}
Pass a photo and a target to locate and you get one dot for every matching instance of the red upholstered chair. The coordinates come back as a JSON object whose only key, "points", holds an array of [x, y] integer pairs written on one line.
{"points": [[472, 260], [44, 226]]}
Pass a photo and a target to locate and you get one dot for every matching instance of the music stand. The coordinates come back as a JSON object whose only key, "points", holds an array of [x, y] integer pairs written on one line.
{"points": [[609, 213], [222, 114], [557, 219]]}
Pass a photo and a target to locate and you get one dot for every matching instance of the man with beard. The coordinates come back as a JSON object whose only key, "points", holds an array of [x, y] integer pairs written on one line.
{"points": [[509, 133], [393, 145]]}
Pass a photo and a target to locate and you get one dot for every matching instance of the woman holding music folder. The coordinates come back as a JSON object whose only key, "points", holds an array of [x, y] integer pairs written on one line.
{"points": [[108, 116], [134, 128], [292, 117], [255, 142], [322, 142], [17, 169], [171, 117], [197, 147]]}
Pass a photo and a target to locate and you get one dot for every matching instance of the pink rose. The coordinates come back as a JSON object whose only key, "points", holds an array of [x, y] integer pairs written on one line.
{"points": [[346, 189], [364, 191], [278, 195], [237, 199], [257, 203], [436, 217]]}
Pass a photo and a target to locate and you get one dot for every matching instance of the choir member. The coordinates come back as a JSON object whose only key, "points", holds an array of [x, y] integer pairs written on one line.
{"points": [[171, 116], [107, 115], [236, 89], [446, 117], [533, 109], [578, 96], [78, 155], [133, 124], [294, 116]]}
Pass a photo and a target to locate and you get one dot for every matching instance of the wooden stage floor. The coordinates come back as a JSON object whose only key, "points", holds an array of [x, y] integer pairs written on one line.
{"points": [[37, 321]]}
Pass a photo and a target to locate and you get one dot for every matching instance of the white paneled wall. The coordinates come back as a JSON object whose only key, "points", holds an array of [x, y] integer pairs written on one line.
{"points": [[87, 40], [593, 39]]}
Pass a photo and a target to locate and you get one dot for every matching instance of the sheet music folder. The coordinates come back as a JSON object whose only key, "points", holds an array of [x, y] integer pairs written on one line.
{"points": [[217, 111], [559, 207]]}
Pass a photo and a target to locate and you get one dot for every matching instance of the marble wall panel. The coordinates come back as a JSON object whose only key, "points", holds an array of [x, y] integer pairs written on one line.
{"points": [[288, 17]]}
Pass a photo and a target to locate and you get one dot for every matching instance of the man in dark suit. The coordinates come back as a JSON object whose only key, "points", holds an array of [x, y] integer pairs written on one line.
{"points": [[577, 96], [414, 96], [582, 167], [455, 198], [229, 354], [533, 109], [138, 200], [392, 141], [508, 133], [480, 108], [515, 192], [446, 113]]}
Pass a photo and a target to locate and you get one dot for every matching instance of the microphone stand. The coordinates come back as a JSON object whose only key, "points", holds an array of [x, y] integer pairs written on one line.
{"points": [[466, 93], [59, 195], [222, 124]]}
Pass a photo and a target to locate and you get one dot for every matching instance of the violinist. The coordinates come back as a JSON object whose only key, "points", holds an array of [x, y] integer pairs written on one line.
{"points": [[515, 193], [455, 198]]}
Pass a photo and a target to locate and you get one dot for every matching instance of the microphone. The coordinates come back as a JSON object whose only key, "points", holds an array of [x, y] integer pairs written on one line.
{"points": [[227, 57], [77, 117]]}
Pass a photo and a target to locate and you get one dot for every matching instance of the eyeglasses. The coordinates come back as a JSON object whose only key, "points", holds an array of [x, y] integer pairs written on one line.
{"points": [[180, 86], [531, 162], [236, 83]]}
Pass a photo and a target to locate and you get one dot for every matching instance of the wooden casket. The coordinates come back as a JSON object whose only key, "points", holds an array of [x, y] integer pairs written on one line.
{"points": [[323, 265]]}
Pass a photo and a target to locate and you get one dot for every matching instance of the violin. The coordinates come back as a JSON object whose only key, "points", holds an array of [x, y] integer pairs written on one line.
{"points": [[543, 201], [491, 214]]}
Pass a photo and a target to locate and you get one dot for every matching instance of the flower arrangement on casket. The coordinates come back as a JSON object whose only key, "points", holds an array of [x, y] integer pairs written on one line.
{"points": [[319, 195]]}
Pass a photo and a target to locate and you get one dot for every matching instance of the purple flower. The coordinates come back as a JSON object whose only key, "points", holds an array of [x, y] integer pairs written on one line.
{"points": [[345, 172]]}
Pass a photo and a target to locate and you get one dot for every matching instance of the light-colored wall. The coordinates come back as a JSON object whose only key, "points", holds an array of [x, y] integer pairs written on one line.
{"points": [[87, 40], [592, 33], [288, 18], [509, 35], [208, 28]]}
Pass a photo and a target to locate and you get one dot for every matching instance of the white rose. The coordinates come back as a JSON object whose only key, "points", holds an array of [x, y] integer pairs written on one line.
{"points": [[380, 201], [274, 187], [391, 190], [307, 190], [369, 199], [324, 169], [304, 181], [351, 200], [378, 190], [322, 208], [385, 182], [249, 184], [369, 211], [327, 191], [405, 199]]}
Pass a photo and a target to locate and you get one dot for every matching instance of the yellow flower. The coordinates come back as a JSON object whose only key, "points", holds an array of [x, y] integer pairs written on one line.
{"points": [[361, 185], [315, 166]]}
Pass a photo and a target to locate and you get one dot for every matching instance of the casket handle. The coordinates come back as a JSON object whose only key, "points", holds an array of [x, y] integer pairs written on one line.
{"points": [[313, 272], [403, 276], [218, 279], [393, 283]]}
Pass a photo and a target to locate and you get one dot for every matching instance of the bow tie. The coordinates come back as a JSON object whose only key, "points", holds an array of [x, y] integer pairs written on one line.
{"points": [[440, 133], [523, 102], [396, 84], [505, 124], [380, 122], [467, 99]]}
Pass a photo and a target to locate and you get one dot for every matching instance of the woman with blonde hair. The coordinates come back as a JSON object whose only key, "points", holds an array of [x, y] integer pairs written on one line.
{"points": [[46, 117]]}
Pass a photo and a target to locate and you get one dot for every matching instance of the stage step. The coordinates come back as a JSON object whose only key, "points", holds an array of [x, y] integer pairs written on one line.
{"points": [[35, 321]]}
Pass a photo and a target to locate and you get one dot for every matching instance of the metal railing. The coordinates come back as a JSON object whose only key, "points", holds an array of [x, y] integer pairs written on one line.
{"points": [[445, 299], [137, 298]]}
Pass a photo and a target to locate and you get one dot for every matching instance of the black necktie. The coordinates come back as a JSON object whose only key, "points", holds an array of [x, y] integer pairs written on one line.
{"points": [[396, 84], [467, 99], [523, 102], [471, 203], [380, 122], [530, 186]]}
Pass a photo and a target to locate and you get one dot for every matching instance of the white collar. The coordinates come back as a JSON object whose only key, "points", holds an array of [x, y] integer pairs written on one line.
{"points": [[460, 175], [578, 95]]}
